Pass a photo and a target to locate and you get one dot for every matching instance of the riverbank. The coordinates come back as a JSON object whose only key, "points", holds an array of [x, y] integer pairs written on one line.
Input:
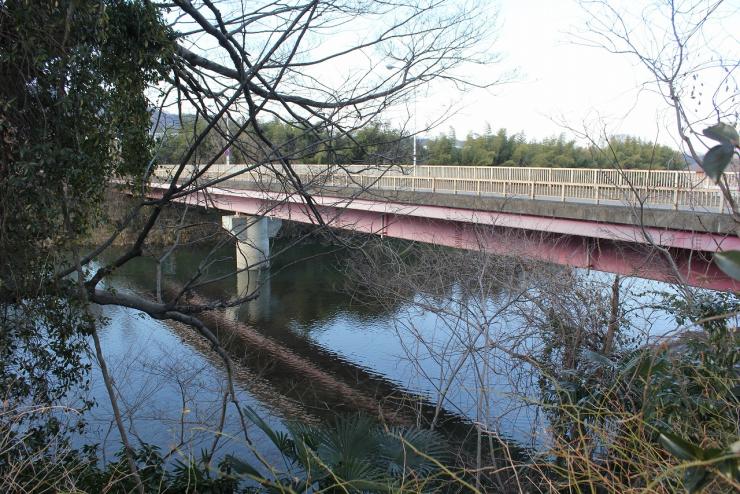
{"points": [[177, 223], [201, 225]]}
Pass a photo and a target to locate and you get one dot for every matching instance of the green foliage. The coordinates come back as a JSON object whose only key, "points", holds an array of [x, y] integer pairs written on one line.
{"points": [[73, 114], [639, 408], [576, 353], [443, 151], [378, 143], [514, 150], [725, 462], [729, 262], [175, 142], [718, 157], [716, 160], [81, 472], [724, 133], [373, 143], [356, 453]]}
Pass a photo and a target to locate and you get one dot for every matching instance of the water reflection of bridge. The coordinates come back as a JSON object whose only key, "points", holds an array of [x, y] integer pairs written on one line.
{"points": [[285, 369], [296, 373]]}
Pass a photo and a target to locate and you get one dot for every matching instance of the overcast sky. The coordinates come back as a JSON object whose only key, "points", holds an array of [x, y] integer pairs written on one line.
{"points": [[558, 86], [559, 82]]}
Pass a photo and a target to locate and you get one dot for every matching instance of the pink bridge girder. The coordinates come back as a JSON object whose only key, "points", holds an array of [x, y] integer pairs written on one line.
{"points": [[610, 247]]}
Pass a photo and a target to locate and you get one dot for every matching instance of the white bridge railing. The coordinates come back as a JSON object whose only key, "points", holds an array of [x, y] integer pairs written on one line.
{"points": [[652, 188]]}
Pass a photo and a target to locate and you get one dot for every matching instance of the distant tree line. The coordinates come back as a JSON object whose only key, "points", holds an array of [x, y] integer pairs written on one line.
{"points": [[380, 143], [373, 143], [502, 149]]}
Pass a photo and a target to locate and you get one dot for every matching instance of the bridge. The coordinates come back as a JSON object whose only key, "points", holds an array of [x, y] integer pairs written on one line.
{"points": [[661, 225]]}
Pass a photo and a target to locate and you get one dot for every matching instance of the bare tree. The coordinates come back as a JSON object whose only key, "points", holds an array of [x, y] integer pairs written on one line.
{"points": [[494, 337], [236, 63], [688, 51], [322, 66]]}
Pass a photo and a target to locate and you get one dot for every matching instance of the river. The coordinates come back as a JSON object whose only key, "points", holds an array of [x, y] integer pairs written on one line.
{"points": [[311, 346]]}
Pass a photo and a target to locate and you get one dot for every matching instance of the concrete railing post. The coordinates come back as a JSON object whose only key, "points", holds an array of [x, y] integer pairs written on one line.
{"points": [[675, 190], [562, 192]]}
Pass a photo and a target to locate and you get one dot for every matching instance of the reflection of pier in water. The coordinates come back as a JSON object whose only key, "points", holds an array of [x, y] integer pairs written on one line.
{"points": [[253, 283]]}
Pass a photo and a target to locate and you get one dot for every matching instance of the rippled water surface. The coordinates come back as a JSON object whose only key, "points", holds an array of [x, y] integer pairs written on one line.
{"points": [[328, 350]]}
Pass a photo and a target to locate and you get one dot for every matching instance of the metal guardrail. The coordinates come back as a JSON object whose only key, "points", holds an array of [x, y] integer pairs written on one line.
{"points": [[652, 188]]}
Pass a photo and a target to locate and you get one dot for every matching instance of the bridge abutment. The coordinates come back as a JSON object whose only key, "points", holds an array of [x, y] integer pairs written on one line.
{"points": [[253, 234]]}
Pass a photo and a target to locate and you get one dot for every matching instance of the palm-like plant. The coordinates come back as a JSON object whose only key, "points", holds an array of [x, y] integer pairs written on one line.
{"points": [[354, 454]]}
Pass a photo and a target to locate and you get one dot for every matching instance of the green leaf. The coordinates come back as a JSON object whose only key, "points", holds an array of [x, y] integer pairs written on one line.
{"points": [[279, 439], [723, 133], [633, 363], [399, 446], [598, 359], [730, 469], [695, 479], [717, 159], [679, 447], [729, 263], [241, 467], [369, 486]]}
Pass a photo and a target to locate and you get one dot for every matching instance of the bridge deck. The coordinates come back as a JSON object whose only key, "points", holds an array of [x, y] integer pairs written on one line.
{"points": [[606, 246]]}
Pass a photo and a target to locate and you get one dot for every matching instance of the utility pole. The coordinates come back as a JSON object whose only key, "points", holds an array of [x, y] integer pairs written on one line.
{"points": [[414, 150], [228, 137]]}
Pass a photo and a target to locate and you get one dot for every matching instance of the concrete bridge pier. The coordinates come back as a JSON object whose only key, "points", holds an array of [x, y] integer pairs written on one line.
{"points": [[253, 235]]}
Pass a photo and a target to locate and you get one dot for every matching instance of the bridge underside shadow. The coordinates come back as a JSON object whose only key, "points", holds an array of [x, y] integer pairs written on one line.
{"points": [[634, 257]]}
